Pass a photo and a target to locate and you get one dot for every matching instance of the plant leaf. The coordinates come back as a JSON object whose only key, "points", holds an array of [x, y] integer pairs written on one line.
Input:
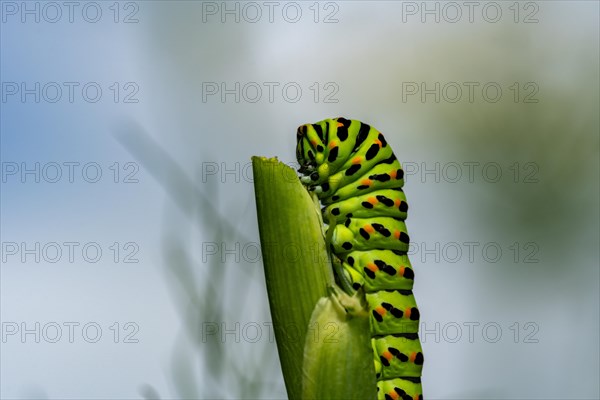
{"points": [[338, 358]]}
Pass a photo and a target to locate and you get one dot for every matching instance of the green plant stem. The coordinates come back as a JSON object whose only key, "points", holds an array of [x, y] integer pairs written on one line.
{"points": [[307, 322], [295, 260]]}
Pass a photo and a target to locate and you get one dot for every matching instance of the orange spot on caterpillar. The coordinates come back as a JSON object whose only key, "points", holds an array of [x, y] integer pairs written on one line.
{"points": [[357, 160], [369, 228], [372, 267], [339, 124], [397, 234], [416, 397], [394, 395], [401, 270], [313, 142], [378, 142], [412, 357], [367, 182], [393, 174], [387, 355], [397, 203], [372, 200], [407, 313], [332, 144], [381, 311]]}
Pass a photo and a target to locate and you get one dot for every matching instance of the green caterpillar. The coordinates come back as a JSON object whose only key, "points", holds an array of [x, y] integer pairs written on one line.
{"points": [[358, 180]]}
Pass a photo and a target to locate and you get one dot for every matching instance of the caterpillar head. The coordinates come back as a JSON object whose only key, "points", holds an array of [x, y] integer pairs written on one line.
{"points": [[317, 148], [310, 148]]}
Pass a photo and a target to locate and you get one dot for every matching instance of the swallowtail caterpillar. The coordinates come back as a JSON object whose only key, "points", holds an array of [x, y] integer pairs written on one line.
{"points": [[355, 174]]}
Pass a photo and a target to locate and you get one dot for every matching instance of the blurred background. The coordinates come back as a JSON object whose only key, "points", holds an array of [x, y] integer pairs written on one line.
{"points": [[131, 265]]}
